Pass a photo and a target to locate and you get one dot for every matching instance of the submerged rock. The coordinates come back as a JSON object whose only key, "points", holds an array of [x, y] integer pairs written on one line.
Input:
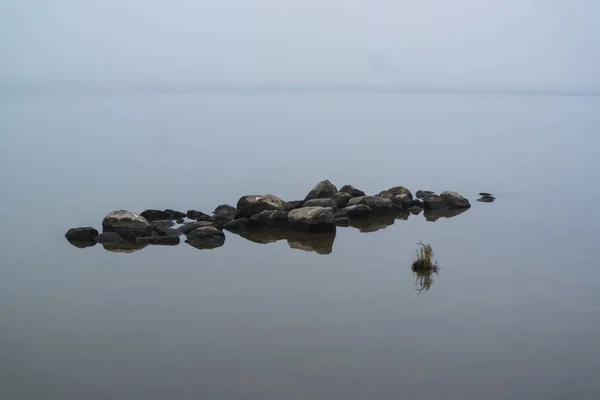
{"points": [[320, 203], [160, 228], [322, 190], [207, 237], [158, 240], [317, 218], [352, 191], [375, 203], [126, 247], [127, 224], [81, 234], [155, 215]]}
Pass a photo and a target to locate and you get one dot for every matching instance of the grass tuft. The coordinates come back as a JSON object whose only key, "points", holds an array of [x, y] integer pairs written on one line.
{"points": [[424, 267]]}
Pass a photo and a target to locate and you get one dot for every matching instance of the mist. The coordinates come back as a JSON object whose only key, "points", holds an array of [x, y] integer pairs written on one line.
{"points": [[513, 43]]}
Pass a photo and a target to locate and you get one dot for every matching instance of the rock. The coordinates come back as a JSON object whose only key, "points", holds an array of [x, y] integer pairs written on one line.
{"points": [[207, 237], [320, 203], [313, 218], [342, 221], [205, 218], [376, 203], [109, 238], [322, 190], [126, 247], [352, 191], [175, 214], [237, 226], [454, 200], [247, 199], [415, 210], [180, 221], [487, 199], [161, 229], [127, 224], [403, 200], [155, 215], [287, 206], [359, 210], [224, 214], [486, 194], [82, 234], [267, 202], [167, 223], [396, 191], [190, 226], [158, 240], [296, 203], [340, 214], [341, 199], [434, 202], [268, 218], [193, 214], [416, 203], [423, 193]]}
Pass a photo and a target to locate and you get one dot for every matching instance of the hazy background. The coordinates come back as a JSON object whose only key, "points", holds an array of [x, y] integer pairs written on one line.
{"points": [[512, 43]]}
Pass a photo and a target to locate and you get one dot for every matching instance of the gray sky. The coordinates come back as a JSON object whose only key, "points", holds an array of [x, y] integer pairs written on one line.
{"points": [[522, 43]]}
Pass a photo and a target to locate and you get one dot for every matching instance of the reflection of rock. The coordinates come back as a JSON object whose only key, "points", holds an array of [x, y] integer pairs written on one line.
{"points": [[237, 225], [376, 203], [342, 221], [109, 238], [486, 199], [123, 247], [127, 224], [373, 222], [320, 203], [434, 215], [82, 237], [321, 243], [158, 240], [206, 237], [322, 190], [352, 191], [312, 218]]}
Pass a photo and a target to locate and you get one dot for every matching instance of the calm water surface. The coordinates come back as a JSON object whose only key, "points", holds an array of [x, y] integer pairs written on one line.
{"points": [[513, 314]]}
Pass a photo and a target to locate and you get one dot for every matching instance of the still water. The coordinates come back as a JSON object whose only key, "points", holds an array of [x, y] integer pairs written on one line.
{"points": [[513, 314]]}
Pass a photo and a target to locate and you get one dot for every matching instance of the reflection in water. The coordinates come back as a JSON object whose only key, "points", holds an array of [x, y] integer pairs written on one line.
{"points": [[434, 215], [376, 222], [321, 243], [82, 244], [124, 247], [424, 279], [424, 267]]}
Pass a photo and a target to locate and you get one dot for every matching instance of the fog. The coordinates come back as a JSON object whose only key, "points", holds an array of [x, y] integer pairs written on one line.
{"points": [[516, 43]]}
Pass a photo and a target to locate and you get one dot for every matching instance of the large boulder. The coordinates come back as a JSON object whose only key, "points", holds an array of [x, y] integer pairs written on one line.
{"points": [[248, 199], [403, 201], [434, 202], [268, 218], [375, 203], [322, 190], [158, 240], [82, 234], [454, 200], [173, 214], [190, 226], [313, 218], [423, 193], [396, 191], [127, 224], [341, 199], [155, 215], [265, 203], [194, 214], [238, 226], [352, 191], [207, 237], [320, 203], [224, 214], [359, 210]]}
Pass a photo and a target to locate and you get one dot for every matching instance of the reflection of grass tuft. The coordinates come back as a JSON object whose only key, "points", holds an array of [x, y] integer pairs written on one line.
{"points": [[424, 267]]}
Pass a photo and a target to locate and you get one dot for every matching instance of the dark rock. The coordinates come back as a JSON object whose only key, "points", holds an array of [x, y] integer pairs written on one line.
{"points": [[340, 214], [434, 202], [359, 210], [175, 214], [125, 247], [159, 229], [295, 204], [193, 214], [190, 226], [403, 200], [423, 193], [416, 203], [486, 199], [376, 203], [167, 223], [265, 203], [205, 218], [312, 218], [155, 215], [180, 221], [396, 191], [454, 200], [82, 234], [486, 194], [127, 224], [248, 199], [207, 237], [287, 206], [320, 203], [109, 238], [237, 226], [224, 214], [158, 240], [352, 191], [434, 215], [342, 221], [341, 199], [82, 244], [322, 190], [415, 210], [268, 218]]}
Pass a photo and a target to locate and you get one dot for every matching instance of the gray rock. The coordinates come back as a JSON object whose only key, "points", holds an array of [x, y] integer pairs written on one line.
{"points": [[207, 237], [340, 214], [190, 226], [247, 199], [396, 191], [127, 224], [341, 199], [312, 217], [295, 204], [237, 226], [322, 190], [352, 191], [81, 234], [487, 199], [158, 240], [320, 203], [224, 214], [155, 215], [486, 194], [109, 238], [403, 200], [415, 210], [265, 203], [175, 214], [342, 221], [434, 202], [376, 203], [161, 230], [359, 210], [268, 218], [193, 214], [180, 221], [454, 200], [423, 193], [167, 223]]}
